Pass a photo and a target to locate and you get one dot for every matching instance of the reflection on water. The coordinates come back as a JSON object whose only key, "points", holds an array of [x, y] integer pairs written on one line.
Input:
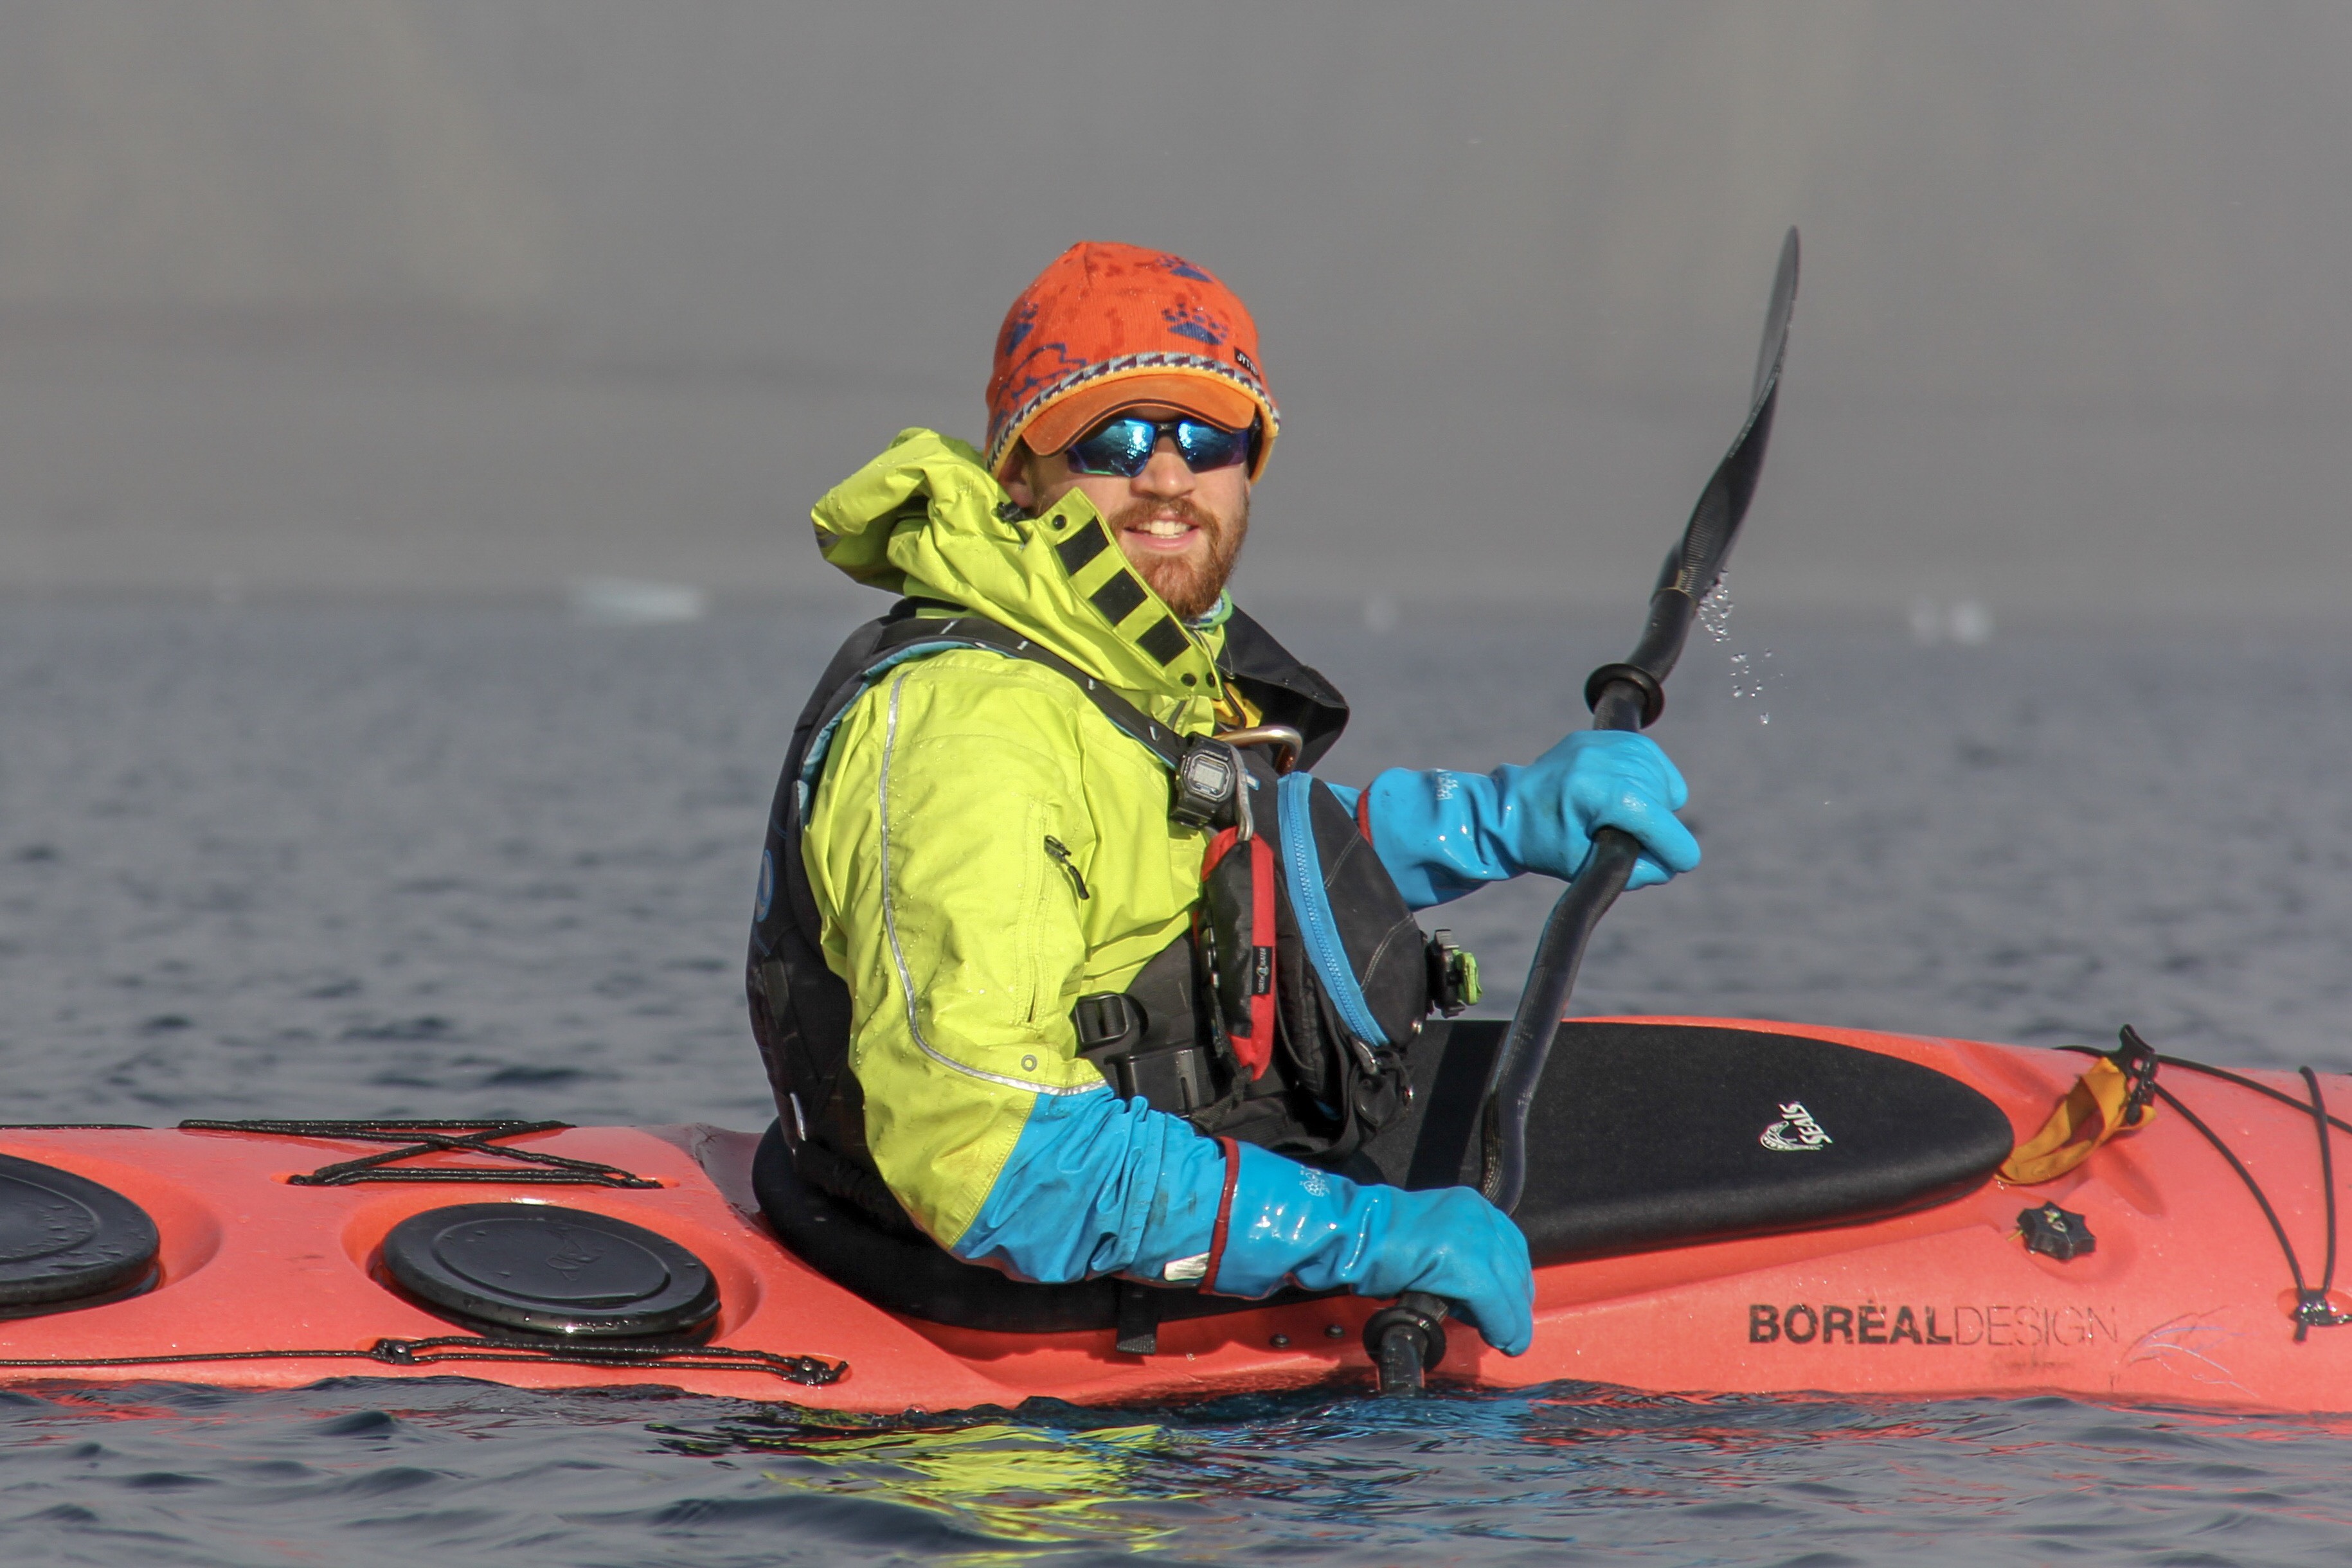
{"points": [[1024, 1484]]}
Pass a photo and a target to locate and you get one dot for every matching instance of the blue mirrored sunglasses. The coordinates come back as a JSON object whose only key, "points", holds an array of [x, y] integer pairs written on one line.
{"points": [[1123, 445]]}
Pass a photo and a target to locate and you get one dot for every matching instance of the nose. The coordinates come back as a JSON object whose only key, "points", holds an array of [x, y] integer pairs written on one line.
{"points": [[1167, 476]]}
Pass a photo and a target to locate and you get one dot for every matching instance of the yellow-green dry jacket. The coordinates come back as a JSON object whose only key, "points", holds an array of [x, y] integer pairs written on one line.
{"points": [[965, 801]]}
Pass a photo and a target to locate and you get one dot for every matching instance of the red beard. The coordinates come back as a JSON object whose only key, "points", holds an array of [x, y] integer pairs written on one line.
{"points": [[1188, 583]]}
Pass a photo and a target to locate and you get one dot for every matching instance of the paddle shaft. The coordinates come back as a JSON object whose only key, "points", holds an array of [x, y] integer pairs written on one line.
{"points": [[1396, 1335]]}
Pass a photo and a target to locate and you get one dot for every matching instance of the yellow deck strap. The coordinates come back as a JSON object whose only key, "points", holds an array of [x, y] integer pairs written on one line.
{"points": [[2091, 1114]]}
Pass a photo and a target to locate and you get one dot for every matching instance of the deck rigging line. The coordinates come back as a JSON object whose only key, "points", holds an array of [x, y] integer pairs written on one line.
{"points": [[479, 1135]]}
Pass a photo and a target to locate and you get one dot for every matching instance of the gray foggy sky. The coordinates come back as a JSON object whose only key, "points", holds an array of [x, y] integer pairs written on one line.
{"points": [[489, 293]]}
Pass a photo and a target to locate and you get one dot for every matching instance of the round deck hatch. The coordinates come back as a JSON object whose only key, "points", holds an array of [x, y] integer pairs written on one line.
{"points": [[65, 1238], [546, 1270]]}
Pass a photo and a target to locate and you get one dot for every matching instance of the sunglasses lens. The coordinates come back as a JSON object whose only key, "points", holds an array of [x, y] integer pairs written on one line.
{"points": [[1207, 447], [1120, 446]]}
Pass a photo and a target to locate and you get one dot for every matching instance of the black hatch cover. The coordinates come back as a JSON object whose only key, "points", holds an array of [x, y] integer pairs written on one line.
{"points": [[63, 1238], [1656, 1134], [547, 1270]]}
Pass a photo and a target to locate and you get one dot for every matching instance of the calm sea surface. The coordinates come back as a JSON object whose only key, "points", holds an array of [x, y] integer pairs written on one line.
{"points": [[455, 860]]}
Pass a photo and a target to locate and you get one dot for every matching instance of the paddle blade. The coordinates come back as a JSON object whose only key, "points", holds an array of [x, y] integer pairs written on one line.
{"points": [[1697, 562], [1775, 346]]}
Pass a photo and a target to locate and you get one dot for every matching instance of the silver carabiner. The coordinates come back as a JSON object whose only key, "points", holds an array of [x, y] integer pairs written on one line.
{"points": [[1286, 742]]}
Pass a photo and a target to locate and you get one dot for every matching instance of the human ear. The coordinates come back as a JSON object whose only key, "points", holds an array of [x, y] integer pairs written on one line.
{"points": [[1021, 484]]}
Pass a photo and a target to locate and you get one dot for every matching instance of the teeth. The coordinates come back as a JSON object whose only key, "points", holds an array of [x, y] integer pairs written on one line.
{"points": [[1167, 527]]}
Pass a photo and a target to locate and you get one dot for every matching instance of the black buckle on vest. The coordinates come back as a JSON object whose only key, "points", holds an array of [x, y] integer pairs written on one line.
{"points": [[1110, 1026], [1108, 1021], [1210, 788]]}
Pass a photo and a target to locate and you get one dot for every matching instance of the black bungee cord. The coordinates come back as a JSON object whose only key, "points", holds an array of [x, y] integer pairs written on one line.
{"points": [[2311, 1309], [813, 1372]]}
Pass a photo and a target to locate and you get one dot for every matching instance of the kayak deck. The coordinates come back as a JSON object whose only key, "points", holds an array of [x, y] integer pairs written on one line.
{"points": [[2187, 1299]]}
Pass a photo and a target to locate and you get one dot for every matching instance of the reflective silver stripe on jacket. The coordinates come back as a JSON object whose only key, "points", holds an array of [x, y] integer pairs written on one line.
{"points": [[898, 955]]}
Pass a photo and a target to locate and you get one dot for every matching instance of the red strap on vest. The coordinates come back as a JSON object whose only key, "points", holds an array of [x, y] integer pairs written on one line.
{"points": [[1218, 848], [1255, 1050], [1258, 1052]]}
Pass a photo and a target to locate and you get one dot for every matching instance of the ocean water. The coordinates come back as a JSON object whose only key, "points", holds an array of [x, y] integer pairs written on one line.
{"points": [[459, 858]]}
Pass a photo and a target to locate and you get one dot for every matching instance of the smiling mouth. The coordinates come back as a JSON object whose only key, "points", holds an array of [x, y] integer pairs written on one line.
{"points": [[1165, 533]]}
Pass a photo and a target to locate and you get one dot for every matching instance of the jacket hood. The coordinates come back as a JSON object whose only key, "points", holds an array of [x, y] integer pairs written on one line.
{"points": [[927, 519]]}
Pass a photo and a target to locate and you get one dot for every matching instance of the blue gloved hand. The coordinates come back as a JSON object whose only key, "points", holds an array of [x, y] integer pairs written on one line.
{"points": [[1291, 1222], [1442, 834]]}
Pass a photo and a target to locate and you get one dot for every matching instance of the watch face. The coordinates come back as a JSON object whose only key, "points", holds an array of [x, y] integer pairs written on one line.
{"points": [[1208, 776]]}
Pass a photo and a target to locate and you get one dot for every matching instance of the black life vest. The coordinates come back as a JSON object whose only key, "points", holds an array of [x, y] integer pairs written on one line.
{"points": [[1281, 1018]]}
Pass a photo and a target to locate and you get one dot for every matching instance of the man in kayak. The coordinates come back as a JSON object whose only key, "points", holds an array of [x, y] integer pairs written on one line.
{"points": [[1010, 866]]}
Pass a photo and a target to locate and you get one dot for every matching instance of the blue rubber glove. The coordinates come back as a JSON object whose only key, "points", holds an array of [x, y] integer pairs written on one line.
{"points": [[1292, 1223], [1442, 834], [1096, 1184]]}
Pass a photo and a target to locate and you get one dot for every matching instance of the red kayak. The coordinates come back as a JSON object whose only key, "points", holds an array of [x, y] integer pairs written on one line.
{"points": [[2190, 1261]]}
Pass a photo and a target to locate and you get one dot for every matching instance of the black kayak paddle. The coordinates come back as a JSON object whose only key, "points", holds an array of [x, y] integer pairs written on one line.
{"points": [[1629, 695]]}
